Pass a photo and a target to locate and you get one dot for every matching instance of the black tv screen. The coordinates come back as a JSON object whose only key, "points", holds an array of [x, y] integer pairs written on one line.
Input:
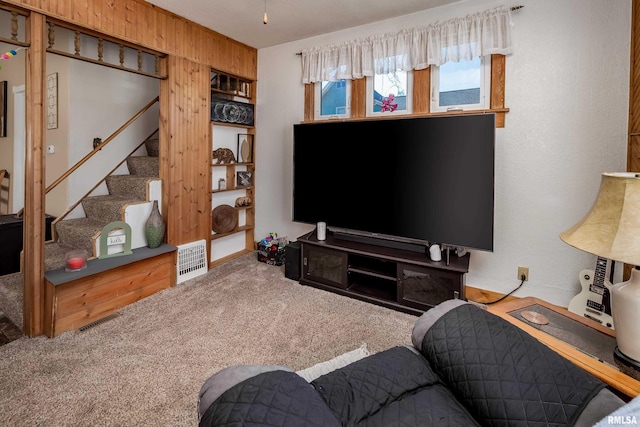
{"points": [[428, 179]]}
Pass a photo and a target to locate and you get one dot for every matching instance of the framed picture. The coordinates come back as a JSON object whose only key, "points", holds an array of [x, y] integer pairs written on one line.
{"points": [[245, 148], [244, 179], [3, 109]]}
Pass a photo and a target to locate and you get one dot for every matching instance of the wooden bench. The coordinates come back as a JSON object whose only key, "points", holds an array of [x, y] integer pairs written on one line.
{"points": [[75, 299]]}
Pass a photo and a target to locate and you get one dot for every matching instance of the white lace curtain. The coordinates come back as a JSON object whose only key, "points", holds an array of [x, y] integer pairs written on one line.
{"points": [[481, 34]]}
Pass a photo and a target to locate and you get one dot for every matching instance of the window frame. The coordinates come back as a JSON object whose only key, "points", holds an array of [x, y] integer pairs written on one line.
{"points": [[317, 112], [369, 99], [485, 90]]}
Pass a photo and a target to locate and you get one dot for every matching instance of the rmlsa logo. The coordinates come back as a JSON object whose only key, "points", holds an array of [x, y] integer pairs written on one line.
{"points": [[622, 420]]}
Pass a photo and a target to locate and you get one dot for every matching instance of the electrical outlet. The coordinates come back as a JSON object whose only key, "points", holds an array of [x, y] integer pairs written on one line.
{"points": [[523, 271]]}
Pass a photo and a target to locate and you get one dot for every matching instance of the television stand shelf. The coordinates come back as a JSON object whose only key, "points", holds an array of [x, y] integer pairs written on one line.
{"points": [[395, 278]]}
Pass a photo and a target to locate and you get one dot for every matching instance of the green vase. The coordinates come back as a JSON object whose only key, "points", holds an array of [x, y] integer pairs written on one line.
{"points": [[154, 227]]}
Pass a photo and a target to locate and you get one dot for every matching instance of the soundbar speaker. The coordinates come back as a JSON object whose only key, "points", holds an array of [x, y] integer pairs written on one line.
{"points": [[292, 261]]}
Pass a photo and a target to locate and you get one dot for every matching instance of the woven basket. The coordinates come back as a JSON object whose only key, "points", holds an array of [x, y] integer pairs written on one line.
{"points": [[224, 219]]}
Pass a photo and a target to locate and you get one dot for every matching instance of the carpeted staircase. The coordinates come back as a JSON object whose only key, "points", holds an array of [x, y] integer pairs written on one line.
{"points": [[124, 190]]}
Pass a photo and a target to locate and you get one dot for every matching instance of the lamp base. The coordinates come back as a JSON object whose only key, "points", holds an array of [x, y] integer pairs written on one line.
{"points": [[626, 364]]}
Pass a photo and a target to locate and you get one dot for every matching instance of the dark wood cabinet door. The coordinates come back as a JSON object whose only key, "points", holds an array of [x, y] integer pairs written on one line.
{"points": [[323, 265], [424, 287]]}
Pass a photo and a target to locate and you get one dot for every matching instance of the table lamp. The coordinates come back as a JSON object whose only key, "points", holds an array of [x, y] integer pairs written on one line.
{"points": [[611, 230]]}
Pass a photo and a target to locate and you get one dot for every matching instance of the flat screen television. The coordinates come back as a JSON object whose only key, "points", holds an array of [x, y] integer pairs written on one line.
{"points": [[420, 180]]}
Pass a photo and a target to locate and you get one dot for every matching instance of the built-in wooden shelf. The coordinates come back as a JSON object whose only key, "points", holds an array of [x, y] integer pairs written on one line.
{"points": [[232, 164], [215, 236], [232, 189]]}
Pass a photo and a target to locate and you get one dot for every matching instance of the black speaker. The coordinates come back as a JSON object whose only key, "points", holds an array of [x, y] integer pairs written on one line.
{"points": [[292, 261]]}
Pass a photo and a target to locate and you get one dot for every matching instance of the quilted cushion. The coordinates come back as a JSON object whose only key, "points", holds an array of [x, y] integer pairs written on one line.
{"points": [[503, 375], [363, 388], [277, 399], [430, 406]]}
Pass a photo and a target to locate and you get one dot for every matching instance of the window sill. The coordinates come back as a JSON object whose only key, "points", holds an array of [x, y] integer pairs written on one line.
{"points": [[500, 116]]}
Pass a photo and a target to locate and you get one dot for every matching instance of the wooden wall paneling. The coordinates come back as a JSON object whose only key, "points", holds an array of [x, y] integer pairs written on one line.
{"points": [[34, 218], [498, 75], [160, 26], [633, 140], [107, 16], [211, 48], [422, 91], [93, 15], [139, 22], [633, 156], [131, 20], [165, 141], [119, 21], [309, 107], [188, 154], [80, 11], [358, 98], [62, 8]]}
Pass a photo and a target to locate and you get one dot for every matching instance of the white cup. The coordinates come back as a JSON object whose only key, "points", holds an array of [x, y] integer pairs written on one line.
{"points": [[321, 230], [434, 252]]}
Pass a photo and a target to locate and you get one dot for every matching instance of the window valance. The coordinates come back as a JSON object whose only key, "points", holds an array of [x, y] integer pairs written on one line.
{"points": [[480, 34]]}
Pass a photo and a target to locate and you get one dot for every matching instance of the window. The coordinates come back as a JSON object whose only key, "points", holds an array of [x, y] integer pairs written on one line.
{"points": [[390, 94], [333, 100], [462, 85]]}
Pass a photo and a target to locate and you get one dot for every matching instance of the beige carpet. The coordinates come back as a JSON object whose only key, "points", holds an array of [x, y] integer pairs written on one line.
{"points": [[146, 366]]}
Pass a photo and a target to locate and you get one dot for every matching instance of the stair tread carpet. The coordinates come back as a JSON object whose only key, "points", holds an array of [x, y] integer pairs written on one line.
{"points": [[107, 208], [153, 147], [129, 185], [76, 232], [144, 166]]}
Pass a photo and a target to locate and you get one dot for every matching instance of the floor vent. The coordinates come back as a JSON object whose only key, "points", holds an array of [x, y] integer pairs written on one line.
{"points": [[192, 260], [98, 322]]}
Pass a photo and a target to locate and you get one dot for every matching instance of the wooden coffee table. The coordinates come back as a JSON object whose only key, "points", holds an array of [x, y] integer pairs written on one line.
{"points": [[583, 341]]}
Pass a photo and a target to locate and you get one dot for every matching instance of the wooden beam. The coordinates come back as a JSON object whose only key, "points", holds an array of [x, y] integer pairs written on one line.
{"points": [[34, 202]]}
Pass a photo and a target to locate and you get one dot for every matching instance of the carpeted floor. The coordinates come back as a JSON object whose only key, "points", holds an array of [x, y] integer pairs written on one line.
{"points": [[146, 366]]}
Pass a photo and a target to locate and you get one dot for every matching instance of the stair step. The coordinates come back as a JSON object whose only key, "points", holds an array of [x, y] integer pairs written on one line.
{"points": [[106, 208], [54, 255], [131, 186], [144, 166], [153, 147], [78, 233]]}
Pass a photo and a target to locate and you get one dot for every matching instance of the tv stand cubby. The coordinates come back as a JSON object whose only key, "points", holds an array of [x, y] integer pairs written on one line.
{"points": [[395, 278]]}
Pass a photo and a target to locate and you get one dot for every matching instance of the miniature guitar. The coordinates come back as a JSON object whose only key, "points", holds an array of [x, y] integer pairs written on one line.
{"points": [[594, 301]]}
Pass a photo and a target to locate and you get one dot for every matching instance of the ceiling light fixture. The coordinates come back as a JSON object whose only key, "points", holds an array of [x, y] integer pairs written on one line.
{"points": [[265, 19]]}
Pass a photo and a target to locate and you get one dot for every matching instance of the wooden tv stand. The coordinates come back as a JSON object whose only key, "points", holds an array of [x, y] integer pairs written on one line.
{"points": [[399, 279]]}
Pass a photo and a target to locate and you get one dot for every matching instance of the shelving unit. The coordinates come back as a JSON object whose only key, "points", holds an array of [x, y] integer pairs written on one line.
{"points": [[235, 93]]}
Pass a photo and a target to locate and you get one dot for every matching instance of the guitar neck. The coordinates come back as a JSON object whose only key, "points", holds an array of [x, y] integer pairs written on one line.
{"points": [[599, 275]]}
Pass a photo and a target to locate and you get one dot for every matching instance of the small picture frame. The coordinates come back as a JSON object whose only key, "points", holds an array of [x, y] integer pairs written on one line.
{"points": [[245, 148], [244, 179]]}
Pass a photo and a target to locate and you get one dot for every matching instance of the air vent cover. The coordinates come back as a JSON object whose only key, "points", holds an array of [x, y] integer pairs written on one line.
{"points": [[192, 260]]}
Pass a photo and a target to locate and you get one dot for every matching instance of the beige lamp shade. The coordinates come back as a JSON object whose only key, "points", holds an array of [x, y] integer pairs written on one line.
{"points": [[611, 229]]}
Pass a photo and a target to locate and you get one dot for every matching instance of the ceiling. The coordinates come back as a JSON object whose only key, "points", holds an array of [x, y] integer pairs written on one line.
{"points": [[289, 20]]}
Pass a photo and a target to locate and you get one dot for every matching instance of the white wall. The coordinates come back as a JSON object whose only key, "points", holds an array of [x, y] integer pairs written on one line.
{"points": [[567, 90], [90, 116]]}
